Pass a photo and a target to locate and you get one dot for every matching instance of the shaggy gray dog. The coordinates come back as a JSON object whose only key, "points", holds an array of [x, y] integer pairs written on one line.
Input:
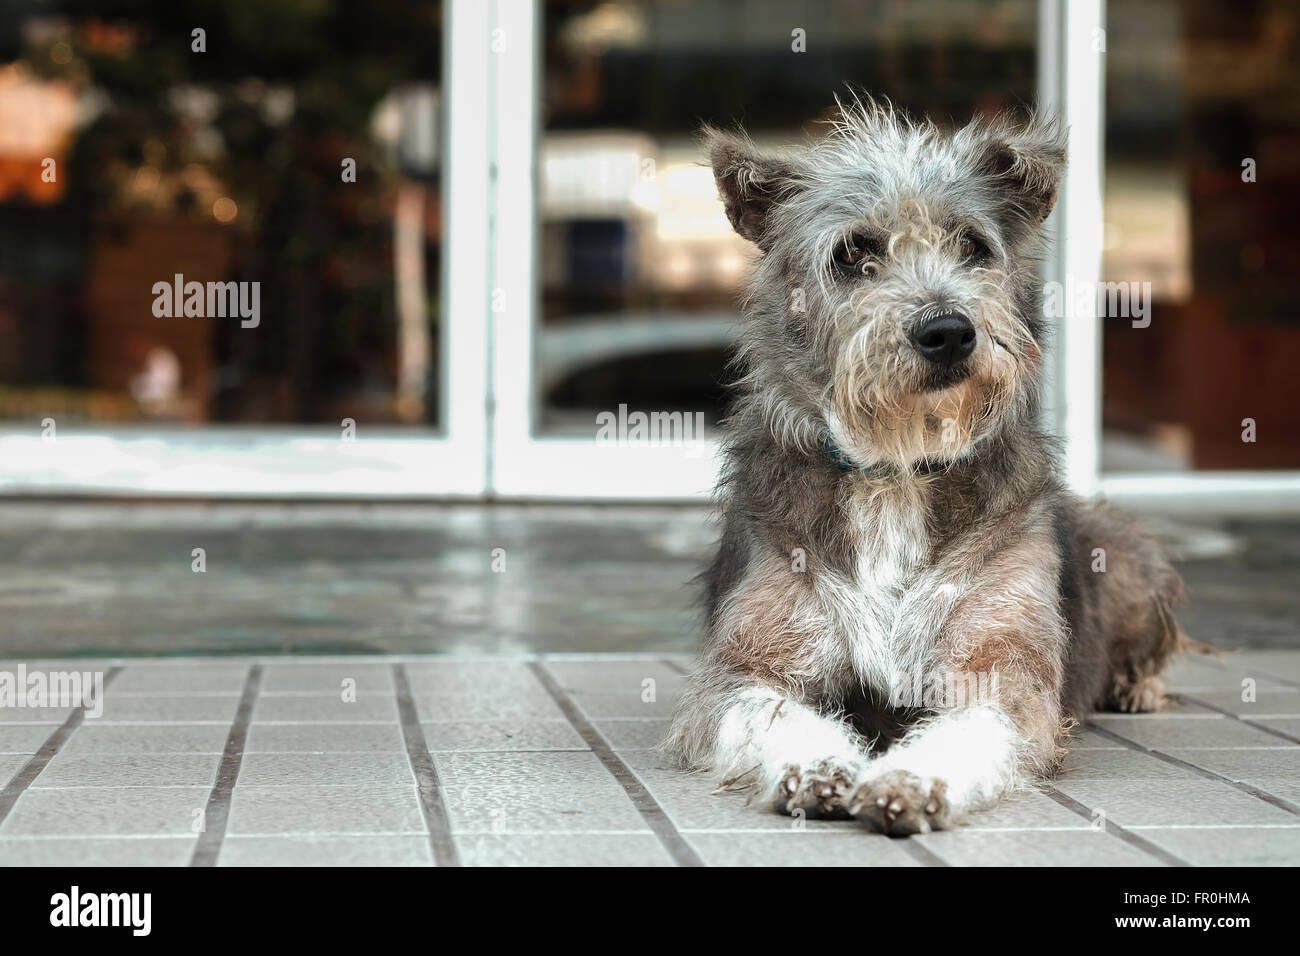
{"points": [[907, 612]]}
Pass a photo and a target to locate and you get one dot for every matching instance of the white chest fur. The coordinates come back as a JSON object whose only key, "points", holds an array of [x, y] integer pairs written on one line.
{"points": [[887, 522]]}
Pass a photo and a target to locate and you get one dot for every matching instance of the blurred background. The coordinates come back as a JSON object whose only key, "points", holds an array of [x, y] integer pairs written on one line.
{"points": [[226, 165], [476, 227]]}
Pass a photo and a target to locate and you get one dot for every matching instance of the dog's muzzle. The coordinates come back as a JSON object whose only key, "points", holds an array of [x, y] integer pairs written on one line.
{"points": [[944, 339]]}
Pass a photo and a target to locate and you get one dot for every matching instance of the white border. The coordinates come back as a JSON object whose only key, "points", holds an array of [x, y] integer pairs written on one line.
{"points": [[231, 461]]}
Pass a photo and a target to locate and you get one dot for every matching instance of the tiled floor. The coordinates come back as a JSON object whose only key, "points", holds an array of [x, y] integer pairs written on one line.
{"points": [[548, 760]]}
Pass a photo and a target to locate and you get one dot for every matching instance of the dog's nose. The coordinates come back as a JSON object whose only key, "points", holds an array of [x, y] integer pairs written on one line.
{"points": [[945, 339]]}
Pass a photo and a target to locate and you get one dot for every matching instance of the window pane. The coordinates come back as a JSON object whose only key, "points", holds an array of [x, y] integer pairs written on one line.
{"points": [[1201, 204], [236, 226], [640, 270]]}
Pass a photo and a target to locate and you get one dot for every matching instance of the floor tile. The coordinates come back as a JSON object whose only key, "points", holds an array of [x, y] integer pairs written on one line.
{"points": [[194, 708], [355, 770], [501, 678], [135, 811], [638, 676], [1159, 732], [534, 792], [34, 715], [96, 851], [325, 851], [1192, 802], [325, 709], [1033, 848], [808, 847], [632, 733], [568, 849], [95, 738], [1269, 702], [624, 703], [1027, 811], [1118, 765], [521, 706], [1087, 739], [327, 678], [325, 810], [1275, 771], [171, 679], [323, 738], [1287, 725], [24, 738], [129, 770], [690, 802], [10, 764], [1230, 846], [502, 735]]}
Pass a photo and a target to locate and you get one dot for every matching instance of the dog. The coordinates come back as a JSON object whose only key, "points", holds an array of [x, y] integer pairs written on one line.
{"points": [[908, 611]]}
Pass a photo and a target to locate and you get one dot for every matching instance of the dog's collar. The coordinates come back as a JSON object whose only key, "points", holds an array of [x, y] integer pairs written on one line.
{"points": [[836, 454], [840, 459]]}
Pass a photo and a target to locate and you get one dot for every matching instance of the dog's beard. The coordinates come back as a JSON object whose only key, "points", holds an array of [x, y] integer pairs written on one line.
{"points": [[892, 411]]}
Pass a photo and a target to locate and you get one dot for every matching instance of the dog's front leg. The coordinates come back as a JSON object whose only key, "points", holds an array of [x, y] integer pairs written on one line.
{"points": [[996, 704], [763, 742], [760, 712], [955, 762]]}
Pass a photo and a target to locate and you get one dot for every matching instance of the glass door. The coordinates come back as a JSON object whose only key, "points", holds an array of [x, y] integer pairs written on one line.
{"points": [[1200, 301], [247, 258]]}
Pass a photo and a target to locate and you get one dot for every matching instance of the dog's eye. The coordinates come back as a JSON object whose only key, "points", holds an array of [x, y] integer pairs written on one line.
{"points": [[972, 249], [856, 252]]}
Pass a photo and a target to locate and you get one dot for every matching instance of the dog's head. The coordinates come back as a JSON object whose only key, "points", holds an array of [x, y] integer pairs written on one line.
{"points": [[896, 305]]}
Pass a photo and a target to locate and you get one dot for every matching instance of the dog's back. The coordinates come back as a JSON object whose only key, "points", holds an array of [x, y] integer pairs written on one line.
{"points": [[1119, 593]]}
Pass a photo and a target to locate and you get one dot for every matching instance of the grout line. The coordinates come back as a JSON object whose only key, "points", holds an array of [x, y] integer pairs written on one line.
{"points": [[1202, 771], [1115, 830], [1237, 717], [678, 847], [922, 853], [41, 759], [436, 818], [216, 814]]}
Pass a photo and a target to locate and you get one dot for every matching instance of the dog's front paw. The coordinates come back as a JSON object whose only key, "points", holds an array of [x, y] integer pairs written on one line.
{"points": [[899, 803], [822, 787]]}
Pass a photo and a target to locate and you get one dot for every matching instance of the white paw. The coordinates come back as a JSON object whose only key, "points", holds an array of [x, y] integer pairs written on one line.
{"points": [[900, 803], [821, 787]]}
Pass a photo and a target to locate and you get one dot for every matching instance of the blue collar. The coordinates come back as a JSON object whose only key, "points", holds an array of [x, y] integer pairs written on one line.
{"points": [[844, 463], [837, 456]]}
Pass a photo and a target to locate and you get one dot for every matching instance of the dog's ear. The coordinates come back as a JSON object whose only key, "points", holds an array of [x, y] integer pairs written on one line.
{"points": [[750, 180], [1030, 159]]}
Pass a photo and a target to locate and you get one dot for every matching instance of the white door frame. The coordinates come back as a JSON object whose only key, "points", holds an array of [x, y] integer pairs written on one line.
{"points": [[291, 461], [523, 464]]}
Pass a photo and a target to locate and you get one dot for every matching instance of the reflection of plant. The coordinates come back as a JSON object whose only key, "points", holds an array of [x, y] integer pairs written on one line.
{"points": [[276, 73], [252, 132]]}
